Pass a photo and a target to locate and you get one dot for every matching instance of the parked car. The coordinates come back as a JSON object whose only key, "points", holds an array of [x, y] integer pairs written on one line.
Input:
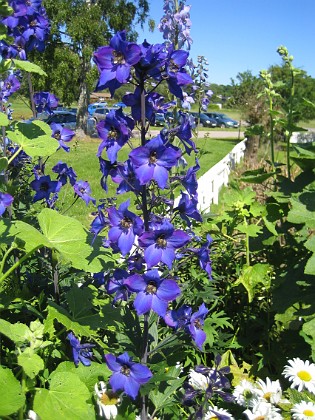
{"points": [[96, 105], [100, 114], [223, 120], [65, 118], [204, 120]]}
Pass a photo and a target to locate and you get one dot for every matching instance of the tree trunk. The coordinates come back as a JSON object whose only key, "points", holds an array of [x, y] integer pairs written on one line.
{"points": [[252, 146], [83, 102]]}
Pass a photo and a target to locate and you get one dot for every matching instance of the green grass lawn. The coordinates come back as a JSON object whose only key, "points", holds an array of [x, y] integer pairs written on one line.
{"points": [[82, 158]]}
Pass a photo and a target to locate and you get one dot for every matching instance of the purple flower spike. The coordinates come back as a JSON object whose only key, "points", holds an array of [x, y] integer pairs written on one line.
{"points": [[114, 62], [128, 375], [125, 226], [62, 135], [160, 244], [83, 190], [152, 292], [81, 352], [44, 186], [5, 201], [153, 161], [196, 323]]}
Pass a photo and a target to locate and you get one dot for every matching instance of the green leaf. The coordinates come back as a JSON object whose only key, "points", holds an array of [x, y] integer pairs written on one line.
{"points": [[67, 398], [89, 375], [300, 214], [31, 363], [12, 398], [3, 164], [250, 230], [256, 176], [33, 139], [309, 329], [252, 276], [28, 67], [72, 241], [4, 121], [27, 237], [18, 332]]}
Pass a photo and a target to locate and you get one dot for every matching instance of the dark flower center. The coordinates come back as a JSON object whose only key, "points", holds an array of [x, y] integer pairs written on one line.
{"points": [[112, 134], [33, 23], [125, 370], [173, 66], [161, 241], [8, 85], [152, 157], [197, 324], [151, 288], [118, 58], [57, 135], [126, 223], [44, 186]]}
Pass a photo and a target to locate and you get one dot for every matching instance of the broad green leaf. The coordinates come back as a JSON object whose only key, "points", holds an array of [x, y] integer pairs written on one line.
{"points": [[300, 214], [18, 332], [4, 121], [43, 126], [31, 363], [256, 176], [310, 265], [250, 230], [33, 139], [27, 237], [28, 67], [67, 398], [252, 276], [12, 398], [72, 241], [89, 375], [3, 164]]}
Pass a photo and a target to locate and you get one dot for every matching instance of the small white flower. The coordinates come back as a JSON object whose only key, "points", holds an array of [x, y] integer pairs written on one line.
{"points": [[198, 380], [270, 391], [245, 393], [107, 401], [263, 411], [301, 374], [31, 415], [304, 411], [215, 412]]}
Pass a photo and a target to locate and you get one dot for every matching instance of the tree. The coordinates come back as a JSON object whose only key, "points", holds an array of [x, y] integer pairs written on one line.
{"points": [[78, 28]]}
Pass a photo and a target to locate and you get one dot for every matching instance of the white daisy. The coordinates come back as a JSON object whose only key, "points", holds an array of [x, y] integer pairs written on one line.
{"points": [[303, 411], [107, 401], [214, 413], [270, 391], [301, 374], [245, 392], [263, 411], [198, 380]]}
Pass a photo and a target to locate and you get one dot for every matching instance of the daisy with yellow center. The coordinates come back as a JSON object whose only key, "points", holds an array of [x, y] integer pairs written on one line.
{"points": [[216, 413], [107, 401], [303, 411], [301, 374]]}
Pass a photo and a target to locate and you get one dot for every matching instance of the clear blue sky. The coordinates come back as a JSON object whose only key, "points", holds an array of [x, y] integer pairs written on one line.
{"points": [[240, 35]]}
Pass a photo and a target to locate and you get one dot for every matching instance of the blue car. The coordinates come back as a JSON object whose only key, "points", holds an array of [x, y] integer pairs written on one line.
{"points": [[223, 120]]}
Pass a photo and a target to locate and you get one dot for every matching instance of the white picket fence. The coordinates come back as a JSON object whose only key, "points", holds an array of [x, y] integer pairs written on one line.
{"points": [[212, 181]]}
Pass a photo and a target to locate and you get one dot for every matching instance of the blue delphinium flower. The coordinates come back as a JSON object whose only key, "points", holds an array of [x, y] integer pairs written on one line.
{"points": [[160, 244], [154, 160], [5, 201], [195, 326], [100, 221], [45, 102], [114, 62], [82, 189], [62, 135], [176, 75], [125, 225], [190, 182], [117, 284], [126, 177], [114, 131], [128, 375], [81, 352], [44, 186], [152, 292], [10, 85], [187, 208], [65, 172]]}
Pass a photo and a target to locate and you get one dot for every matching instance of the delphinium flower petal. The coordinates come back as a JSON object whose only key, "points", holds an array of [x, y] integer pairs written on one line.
{"points": [[62, 135], [44, 186], [82, 189], [195, 326], [152, 292], [117, 284], [153, 161], [45, 102], [5, 201], [81, 352], [65, 172], [128, 375]]}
